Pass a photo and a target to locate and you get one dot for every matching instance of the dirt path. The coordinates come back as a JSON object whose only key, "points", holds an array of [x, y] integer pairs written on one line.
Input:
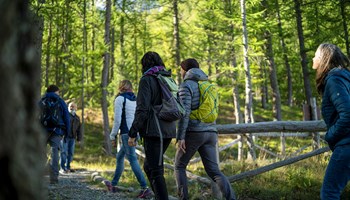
{"points": [[81, 185]]}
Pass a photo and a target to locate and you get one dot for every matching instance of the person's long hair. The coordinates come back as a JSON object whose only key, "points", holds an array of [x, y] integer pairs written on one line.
{"points": [[125, 86], [330, 57], [151, 59]]}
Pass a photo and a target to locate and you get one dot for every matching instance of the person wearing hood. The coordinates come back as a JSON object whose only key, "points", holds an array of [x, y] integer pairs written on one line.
{"points": [[55, 134], [194, 135], [68, 142], [124, 110], [333, 83], [148, 96]]}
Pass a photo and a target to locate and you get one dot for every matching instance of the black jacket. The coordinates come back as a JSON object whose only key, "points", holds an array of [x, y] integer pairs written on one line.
{"points": [[75, 130], [149, 94]]}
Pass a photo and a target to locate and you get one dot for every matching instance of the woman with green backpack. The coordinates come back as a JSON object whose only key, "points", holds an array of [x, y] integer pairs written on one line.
{"points": [[196, 130]]}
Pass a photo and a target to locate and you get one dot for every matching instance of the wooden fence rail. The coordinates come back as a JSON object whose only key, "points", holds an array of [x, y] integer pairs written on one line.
{"points": [[296, 127], [275, 126]]}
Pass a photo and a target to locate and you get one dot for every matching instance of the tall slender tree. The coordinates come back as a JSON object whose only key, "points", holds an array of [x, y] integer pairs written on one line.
{"points": [[248, 85], [106, 62], [302, 52], [276, 97], [285, 56], [176, 35], [342, 5]]}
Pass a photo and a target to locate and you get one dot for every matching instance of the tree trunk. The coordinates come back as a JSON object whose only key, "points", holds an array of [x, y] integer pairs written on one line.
{"points": [[83, 74], [276, 97], [122, 40], [22, 156], [176, 35], [285, 57], [93, 38], [112, 57], [263, 85], [248, 85], [48, 54], [136, 58], [106, 59], [345, 26], [302, 52], [235, 93]]}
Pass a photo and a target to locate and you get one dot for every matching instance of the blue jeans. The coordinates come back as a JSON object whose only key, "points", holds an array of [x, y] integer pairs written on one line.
{"points": [[67, 152], [205, 144], [130, 154], [54, 142], [337, 173]]}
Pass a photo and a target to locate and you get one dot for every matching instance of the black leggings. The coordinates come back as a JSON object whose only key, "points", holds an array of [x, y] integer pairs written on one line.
{"points": [[154, 171]]}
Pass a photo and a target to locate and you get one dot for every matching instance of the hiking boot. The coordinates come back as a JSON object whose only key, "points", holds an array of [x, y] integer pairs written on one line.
{"points": [[145, 193], [110, 187]]}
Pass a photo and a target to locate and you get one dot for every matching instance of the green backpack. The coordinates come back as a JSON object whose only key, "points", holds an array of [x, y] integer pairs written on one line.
{"points": [[208, 103]]}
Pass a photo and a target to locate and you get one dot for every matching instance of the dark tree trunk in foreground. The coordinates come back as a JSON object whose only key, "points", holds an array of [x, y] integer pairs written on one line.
{"points": [[21, 145]]}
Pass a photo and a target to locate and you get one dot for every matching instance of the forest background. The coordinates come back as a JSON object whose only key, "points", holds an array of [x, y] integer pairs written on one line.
{"points": [[259, 52]]}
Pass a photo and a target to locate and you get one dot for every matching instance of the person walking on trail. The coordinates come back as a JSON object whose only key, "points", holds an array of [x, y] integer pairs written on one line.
{"points": [[57, 126], [68, 142], [124, 111], [194, 135], [333, 83], [146, 124]]}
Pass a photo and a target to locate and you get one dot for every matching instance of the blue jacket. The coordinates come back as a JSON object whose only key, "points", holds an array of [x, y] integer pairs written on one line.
{"points": [[64, 124], [336, 107]]}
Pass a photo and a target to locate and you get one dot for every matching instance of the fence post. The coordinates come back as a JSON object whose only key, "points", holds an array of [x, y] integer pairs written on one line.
{"points": [[216, 192], [314, 116], [240, 155]]}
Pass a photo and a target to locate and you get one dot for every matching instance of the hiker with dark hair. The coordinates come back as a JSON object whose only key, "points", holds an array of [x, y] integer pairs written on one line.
{"points": [[68, 142], [333, 84], [194, 134], [55, 119], [149, 126], [124, 111]]}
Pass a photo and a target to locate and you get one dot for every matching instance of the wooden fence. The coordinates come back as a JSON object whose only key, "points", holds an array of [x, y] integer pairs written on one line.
{"points": [[295, 127]]}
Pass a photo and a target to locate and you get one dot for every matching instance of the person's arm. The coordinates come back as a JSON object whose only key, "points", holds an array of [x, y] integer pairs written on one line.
{"points": [[118, 109], [340, 98], [143, 106], [185, 95]]}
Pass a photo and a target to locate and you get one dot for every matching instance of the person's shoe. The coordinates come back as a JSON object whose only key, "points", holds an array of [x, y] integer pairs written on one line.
{"points": [[110, 187], [144, 193], [62, 171]]}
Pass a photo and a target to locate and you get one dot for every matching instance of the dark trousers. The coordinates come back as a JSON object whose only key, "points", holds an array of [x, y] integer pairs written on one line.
{"points": [[154, 171], [205, 144]]}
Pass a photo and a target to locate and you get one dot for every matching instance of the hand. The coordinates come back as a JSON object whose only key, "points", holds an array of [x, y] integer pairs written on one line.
{"points": [[132, 141], [181, 145], [113, 143]]}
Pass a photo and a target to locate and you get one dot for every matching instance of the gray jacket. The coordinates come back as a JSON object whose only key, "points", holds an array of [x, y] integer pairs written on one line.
{"points": [[189, 96]]}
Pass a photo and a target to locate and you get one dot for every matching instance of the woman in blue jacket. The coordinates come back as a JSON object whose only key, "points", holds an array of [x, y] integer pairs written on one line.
{"points": [[333, 83]]}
